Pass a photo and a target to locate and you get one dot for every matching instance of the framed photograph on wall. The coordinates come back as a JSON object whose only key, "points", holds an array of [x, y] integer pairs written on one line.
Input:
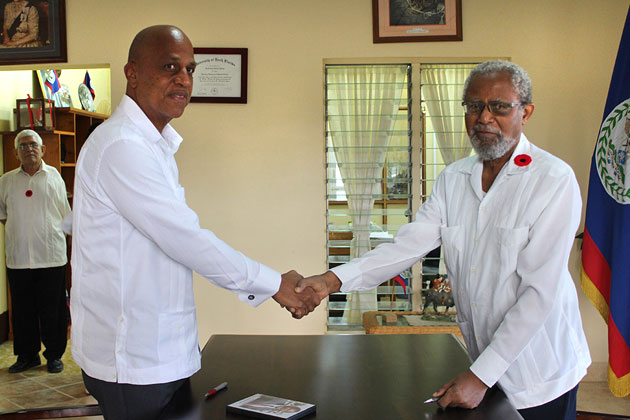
{"points": [[416, 20], [220, 76], [33, 31]]}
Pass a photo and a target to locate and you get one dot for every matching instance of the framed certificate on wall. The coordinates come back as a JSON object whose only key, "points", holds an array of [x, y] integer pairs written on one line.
{"points": [[220, 76]]}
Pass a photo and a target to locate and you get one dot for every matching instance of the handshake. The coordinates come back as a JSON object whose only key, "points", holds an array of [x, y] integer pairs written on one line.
{"points": [[302, 295]]}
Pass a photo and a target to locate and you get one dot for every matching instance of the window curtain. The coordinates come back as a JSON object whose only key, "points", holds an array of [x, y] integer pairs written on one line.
{"points": [[441, 92], [363, 103]]}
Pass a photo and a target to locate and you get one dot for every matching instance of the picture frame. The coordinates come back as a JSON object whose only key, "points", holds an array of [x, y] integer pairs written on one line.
{"points": [[48, 17], [220, 75], [36, 114], [61, 96], [416, 20]]}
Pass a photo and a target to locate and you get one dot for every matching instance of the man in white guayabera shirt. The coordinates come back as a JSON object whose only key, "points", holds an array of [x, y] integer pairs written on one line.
{"points": [[505, 220], [135, 243], [33, 201]]}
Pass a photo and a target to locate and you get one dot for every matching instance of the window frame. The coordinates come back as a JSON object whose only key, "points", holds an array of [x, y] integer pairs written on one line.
{"points": [[418, 187]]}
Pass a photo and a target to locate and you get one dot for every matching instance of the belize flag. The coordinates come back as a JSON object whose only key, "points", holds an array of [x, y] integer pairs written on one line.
{"points": [[87, 82], [606, 246], [53, 85]]}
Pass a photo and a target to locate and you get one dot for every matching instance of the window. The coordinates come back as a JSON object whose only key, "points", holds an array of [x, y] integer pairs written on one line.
{"points": [[380, 131]]}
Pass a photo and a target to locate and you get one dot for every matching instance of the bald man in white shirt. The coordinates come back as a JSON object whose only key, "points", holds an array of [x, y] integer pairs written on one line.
{"points": [[136, 243]]}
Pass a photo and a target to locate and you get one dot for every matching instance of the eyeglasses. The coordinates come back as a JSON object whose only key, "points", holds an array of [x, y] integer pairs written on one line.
{"points": [[495, 107], [27, 146]]}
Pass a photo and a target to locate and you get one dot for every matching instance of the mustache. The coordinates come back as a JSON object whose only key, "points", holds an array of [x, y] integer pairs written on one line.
{"points": [[484, 128]]}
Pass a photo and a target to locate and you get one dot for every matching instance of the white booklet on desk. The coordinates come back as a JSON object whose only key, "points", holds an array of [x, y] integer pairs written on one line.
{"points": [[263, 406]]}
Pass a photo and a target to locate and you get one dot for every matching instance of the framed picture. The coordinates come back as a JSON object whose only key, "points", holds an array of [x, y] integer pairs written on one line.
{"points": [[416, 20], [220, 76], [53, 89], [34, 31]]}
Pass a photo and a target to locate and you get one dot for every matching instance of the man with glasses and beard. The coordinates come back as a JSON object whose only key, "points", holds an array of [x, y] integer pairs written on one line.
{"points": [[505, 219]]}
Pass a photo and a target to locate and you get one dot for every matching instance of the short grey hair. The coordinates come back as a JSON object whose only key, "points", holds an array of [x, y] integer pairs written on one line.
{"points": [[28, 133], [520, 79]]}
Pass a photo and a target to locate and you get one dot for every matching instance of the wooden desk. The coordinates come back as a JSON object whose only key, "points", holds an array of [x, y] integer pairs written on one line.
{"points": [[381, 377]]}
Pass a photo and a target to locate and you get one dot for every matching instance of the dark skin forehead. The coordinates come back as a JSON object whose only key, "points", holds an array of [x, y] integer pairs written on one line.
{"points": [[152, 38]]}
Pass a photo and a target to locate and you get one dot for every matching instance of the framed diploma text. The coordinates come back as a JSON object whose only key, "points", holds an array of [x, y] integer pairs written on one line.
{"points": [[220, 76]]}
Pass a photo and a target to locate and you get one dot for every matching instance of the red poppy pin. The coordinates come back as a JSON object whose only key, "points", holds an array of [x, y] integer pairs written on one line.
{"points": [[29, 193], [522, 160]]}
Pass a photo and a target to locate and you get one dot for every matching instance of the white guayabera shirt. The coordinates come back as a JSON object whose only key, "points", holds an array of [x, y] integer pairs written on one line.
{"points": [[506, 253], [135, 243], [34, 207]]}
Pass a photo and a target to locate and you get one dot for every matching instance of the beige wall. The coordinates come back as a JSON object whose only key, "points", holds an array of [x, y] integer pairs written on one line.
{"points": [[255, 172]]}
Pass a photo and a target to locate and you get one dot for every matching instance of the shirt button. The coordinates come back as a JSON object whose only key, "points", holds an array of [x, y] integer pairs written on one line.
{"points": [[473, 270], [251, 297]]}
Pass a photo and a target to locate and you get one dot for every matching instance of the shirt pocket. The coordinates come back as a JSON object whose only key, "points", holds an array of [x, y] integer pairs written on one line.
{"points": [[176, 335], [512, 241], [538, 361]]}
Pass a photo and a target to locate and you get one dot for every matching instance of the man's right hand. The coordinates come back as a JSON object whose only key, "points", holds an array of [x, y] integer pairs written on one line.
{"points": [[323, 284], [299, 304]]}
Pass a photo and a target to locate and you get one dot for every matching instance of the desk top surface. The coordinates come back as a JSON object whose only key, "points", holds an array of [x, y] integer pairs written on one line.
{"points": [[345, 376]]}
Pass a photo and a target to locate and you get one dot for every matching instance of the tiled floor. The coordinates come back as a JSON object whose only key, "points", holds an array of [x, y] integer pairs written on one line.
{"points": [[38, 388]]}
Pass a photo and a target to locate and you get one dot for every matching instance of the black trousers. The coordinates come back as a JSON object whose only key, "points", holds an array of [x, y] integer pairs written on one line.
{"points": [[562, 408], [171, 400], [40, 311]]}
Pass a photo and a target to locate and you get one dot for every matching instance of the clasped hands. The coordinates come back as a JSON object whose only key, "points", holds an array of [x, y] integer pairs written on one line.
{"points": [[301, 296]]}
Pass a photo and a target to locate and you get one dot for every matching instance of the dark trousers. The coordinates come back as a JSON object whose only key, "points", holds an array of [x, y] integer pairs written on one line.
{"points": [[40, 311], [562, 408], [138, 402]]}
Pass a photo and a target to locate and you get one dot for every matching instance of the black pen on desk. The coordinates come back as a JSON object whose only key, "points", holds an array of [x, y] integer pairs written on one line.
{"points": [[215, 390]]}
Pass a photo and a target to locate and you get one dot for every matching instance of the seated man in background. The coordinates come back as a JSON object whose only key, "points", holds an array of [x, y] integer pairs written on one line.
{"points": [[506, 220], [33, 202]]}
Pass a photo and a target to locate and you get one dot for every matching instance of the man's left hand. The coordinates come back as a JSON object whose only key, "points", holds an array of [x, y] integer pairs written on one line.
{"points": [[465, 390]]}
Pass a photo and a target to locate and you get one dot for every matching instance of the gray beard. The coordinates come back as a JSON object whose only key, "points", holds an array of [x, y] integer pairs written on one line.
{"points": [[495, 150]]}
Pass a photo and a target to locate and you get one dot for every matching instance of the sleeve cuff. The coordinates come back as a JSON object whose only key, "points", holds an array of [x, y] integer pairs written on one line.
{"points": [[349, 276], [489, 367], [262, 287]]}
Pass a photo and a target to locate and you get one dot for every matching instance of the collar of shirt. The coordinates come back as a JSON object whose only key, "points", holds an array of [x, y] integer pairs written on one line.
{"points": [[42, 168], [169, 138], [474, 165]]}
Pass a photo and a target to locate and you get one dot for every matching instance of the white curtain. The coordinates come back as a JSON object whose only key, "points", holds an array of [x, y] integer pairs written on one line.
{"points": [[442, 92], [362, 108]]}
